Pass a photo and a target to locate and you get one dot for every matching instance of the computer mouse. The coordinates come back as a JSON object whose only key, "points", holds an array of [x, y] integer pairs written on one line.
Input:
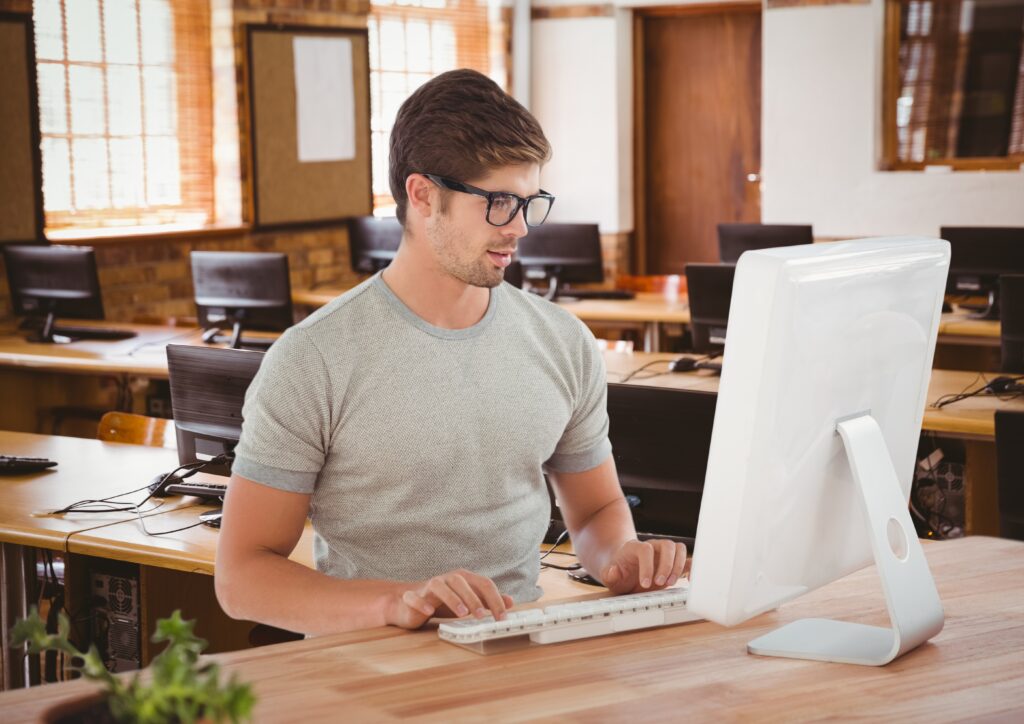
{"points": [[160, 491], [211, 518], [682, 364]]}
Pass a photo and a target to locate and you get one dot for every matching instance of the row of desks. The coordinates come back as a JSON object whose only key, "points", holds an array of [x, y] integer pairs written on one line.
{"points": [[972, 669], [651, 311]]}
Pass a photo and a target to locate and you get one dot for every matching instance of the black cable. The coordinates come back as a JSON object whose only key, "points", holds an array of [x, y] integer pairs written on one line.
{"points": [[630, 375], [549, 551], [1003, 388], [558, 541], [142, 522], [193, 468]]}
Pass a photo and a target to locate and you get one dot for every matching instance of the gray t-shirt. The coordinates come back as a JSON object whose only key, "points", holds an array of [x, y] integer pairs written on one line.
{"points": [[424, 448]]}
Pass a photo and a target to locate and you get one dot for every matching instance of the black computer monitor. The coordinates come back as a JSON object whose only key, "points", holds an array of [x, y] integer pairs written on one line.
{"points": [[208, 386], [709, 287], [734, 239], [660, 440], [1011, 317], [978, 255], [47, 282], [241, 290], [561, 255], [1009, 440], [373, 242]]}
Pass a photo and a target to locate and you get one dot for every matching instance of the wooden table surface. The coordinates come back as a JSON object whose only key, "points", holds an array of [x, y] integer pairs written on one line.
{"points": [[142, 355], [961, 328], [972, 670], [970, 418], [86, 469]]}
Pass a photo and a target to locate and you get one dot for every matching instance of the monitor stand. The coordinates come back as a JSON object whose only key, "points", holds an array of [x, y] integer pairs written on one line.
{"points": [[984, 311], [912, 599]]}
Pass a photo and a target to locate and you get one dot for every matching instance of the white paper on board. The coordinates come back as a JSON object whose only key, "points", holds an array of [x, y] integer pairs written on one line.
{"points": [[324, 99]]}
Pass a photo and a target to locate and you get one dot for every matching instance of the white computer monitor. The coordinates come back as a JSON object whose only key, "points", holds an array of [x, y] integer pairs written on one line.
{"points": [[823, 388]]}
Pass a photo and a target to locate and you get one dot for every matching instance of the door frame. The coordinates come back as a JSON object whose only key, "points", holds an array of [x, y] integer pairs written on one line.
{"points": [[639, 252]]}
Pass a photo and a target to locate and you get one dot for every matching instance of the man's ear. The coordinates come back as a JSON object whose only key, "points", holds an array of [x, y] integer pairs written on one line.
{"points": [[422, 194]]}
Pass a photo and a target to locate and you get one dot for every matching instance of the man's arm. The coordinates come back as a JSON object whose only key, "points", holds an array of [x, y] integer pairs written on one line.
{"points": [[255, 580], [603, 536]]}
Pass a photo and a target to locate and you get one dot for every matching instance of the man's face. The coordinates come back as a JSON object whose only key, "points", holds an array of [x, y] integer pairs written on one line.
{"points": [[468, 248]]}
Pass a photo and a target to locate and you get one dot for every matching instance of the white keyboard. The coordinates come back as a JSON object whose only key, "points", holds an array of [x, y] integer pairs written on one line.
{"points": [[574, 620]]}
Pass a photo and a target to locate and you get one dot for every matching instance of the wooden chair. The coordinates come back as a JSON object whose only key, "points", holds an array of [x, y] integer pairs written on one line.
{"points": [[137, 430], [648, 283]]}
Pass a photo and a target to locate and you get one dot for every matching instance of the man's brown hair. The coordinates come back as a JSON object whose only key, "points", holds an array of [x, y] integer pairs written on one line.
{"points": [[461, 125]]}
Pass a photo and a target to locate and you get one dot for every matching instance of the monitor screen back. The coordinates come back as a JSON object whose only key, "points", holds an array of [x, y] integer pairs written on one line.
{"points": [[571, 251], [208, 386], [62, 279], [253, 284]]}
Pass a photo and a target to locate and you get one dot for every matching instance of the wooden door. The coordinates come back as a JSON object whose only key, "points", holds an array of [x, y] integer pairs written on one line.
{"points": [[698, 131]]}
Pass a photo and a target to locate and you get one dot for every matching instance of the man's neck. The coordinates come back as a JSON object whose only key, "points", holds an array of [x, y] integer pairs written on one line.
{"points": [[434, 296]]}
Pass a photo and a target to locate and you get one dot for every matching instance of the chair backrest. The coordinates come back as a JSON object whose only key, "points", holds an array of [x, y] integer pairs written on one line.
{"points": [[1010, 473], [1011, 319], [136, 430]]}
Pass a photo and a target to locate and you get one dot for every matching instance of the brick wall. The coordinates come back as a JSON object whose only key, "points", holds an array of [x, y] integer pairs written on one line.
{"points": [[150, 277]]}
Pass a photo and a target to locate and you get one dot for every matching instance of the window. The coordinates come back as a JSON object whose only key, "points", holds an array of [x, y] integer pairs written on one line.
{"points": [[955, 83], [125, 112], [411, 41]]}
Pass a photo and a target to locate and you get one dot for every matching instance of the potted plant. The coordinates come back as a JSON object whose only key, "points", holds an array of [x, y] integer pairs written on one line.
{"points": [[177, 687]]}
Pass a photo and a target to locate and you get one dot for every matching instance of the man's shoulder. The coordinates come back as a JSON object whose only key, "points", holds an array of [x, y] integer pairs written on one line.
{"points": [[536, 310], [343, 308]]}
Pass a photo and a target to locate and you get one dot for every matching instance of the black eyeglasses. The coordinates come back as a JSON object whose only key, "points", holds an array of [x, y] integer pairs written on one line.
{"points": [[502, 206]]}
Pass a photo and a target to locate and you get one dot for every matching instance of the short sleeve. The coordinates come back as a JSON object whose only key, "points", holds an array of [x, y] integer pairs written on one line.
{"points": [[584, 444], [286, 417]]}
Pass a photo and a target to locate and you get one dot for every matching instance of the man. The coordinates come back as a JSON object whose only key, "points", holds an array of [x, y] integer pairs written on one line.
{"points": [[413, 417]]}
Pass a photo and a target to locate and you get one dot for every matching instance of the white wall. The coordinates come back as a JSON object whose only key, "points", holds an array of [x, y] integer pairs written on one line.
{"points": [[581, 92], [821, 138]]}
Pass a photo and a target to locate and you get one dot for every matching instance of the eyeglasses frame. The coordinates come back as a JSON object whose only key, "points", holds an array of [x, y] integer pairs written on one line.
{"points": [[522, 204]]}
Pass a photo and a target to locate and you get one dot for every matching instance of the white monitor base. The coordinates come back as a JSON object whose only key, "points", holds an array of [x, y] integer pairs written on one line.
{"points": [[910, 593]]}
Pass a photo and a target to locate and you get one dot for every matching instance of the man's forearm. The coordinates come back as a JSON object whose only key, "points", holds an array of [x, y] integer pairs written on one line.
{"points": [[601, 535], [271, 589]]}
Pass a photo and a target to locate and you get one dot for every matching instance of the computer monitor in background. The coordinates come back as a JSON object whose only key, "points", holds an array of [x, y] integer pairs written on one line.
{"points": [[1011, 317], [1009, 441], [709, 287], [979, 255], [208, 386], [734, 239], [373, 242], [241, 290], [47, 282], [824, 385], [561, 255], [660, 439]]}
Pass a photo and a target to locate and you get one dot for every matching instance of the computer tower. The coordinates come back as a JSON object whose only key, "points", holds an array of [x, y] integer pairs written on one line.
{"points": [[116, 619]]}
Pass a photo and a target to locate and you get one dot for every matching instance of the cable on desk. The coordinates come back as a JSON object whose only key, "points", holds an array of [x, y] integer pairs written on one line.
{"points": [[1003, 388], [558, 541]]}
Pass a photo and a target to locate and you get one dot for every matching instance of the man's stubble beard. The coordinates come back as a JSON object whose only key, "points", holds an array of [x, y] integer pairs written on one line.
{"points": [[446, 241]]}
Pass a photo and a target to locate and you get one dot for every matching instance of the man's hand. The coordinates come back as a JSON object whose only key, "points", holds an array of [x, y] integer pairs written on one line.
{"points": [[454, 594], [644, 566]]}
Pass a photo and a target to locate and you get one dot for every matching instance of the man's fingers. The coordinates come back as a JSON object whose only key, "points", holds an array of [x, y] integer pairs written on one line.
{"points": [[665, 560], [678, 564], [418, 603], [439, 588], [645, 563], [492, 599], [462, 588]]}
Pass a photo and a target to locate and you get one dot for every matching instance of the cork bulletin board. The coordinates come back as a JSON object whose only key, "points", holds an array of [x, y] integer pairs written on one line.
{"points": [[21, 186], [306, 166]]}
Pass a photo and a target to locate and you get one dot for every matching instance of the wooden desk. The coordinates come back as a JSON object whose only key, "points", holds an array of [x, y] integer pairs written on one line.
{"points": [[973, 669], [971, 421], [968, 344], [86, 469], [648, 310]]}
